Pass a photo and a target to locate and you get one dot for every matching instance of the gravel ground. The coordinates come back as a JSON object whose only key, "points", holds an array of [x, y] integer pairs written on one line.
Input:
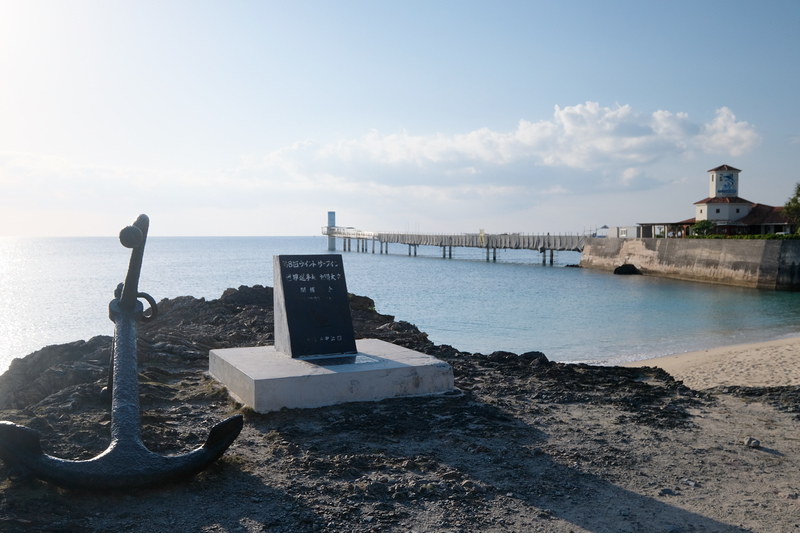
{"points": [[522, 444]]}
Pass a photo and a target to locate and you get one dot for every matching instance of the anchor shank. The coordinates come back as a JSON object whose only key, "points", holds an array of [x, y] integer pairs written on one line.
{"points": [[125, 424]]}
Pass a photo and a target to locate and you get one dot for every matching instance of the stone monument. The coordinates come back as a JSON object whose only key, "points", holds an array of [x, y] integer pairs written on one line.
{"points": [[312, 311], [316, 360]]}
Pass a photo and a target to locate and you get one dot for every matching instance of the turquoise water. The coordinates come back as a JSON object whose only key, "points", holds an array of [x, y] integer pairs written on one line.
{"points": [[55, 290]]}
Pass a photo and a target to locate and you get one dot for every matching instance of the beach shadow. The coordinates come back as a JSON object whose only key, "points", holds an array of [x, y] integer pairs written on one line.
{"points": [[372, 465], [769, 451], [473, 460], [223, 498]]}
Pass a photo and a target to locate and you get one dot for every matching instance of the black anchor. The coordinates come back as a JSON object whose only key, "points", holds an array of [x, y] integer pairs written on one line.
{"points": [[126, 463]]}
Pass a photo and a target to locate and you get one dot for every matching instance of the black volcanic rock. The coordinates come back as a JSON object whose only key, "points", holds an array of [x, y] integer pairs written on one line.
{"points": [[177, 342], [627, 270]]}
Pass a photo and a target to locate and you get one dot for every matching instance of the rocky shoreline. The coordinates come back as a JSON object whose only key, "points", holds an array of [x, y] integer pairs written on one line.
{"points": [[524, 444]]}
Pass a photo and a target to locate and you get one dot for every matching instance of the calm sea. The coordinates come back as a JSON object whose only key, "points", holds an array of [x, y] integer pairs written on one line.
{"points": [[56, 290]]}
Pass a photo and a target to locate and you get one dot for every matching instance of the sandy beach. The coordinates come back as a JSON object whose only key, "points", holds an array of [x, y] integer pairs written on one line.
{"points": [[763, 364]]}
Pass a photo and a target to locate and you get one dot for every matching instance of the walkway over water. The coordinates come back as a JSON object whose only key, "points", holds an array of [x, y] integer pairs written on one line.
{"points": [[488, 241]]}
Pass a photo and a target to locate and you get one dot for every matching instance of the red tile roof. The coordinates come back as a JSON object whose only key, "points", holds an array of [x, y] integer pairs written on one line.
{"points": [[724, 200], [688, 221], [725, 167], [764, 214]]}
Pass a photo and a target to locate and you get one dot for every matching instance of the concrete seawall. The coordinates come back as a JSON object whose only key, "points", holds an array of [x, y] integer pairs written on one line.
{"points": [[762, 264]]}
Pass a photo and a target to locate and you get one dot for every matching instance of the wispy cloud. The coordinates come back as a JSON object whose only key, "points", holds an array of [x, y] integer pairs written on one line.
{"points": [[725, 135], [581, 147], [581, 141], [581, 150]]}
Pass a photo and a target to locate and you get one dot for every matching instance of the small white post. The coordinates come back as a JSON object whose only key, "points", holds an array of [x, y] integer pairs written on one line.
{"points": [[331, 226]]}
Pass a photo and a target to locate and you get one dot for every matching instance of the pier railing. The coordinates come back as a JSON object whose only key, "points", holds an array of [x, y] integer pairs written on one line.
{"points": [[488, 241], [347, 233], [513, 241]]}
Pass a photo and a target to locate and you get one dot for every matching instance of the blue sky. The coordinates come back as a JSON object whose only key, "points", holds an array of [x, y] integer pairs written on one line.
{"points": [[256, 118]]}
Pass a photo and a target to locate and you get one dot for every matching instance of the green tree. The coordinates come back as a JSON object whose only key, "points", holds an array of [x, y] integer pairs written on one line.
{"points": [[791, 210], [703, 227]]}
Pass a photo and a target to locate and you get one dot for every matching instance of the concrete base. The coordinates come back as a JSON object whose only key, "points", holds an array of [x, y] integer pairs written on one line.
{"points": [[268, 380]]}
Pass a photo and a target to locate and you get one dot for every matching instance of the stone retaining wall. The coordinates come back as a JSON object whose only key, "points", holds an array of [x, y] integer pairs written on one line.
{"points": [[762, 264]]}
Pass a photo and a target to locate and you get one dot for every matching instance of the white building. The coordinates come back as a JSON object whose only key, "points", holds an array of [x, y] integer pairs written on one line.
{"points": [[723, 204], [624, 232], [731, 214]]}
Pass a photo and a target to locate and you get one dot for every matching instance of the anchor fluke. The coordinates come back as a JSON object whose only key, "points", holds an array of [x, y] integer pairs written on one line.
{"points": [[16, 439], [223, 434]]}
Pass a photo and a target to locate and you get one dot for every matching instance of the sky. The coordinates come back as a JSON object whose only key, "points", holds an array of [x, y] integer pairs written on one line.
{"points": [[258, 117]]}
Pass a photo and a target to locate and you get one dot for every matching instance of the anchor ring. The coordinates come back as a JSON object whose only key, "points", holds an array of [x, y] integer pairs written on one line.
{"points": [[153, 307]]}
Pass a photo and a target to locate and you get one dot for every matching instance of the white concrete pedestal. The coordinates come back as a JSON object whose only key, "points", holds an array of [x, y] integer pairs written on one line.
{"points": [[268, 380]]}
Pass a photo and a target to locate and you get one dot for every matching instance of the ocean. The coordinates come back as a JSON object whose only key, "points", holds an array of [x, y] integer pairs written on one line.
{"points": [[57, 290]]}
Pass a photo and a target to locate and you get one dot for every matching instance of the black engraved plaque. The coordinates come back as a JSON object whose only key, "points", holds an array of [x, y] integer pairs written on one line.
{"points": [[312, 311]]}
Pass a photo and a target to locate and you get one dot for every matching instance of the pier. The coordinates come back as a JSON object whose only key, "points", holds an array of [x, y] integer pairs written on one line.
{"points": [[488, 241]]}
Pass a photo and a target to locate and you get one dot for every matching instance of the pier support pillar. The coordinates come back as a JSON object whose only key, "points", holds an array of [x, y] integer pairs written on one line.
{"points": [[494, 254], [451, 251], [551, 257], [544, 257], [487, 254]]}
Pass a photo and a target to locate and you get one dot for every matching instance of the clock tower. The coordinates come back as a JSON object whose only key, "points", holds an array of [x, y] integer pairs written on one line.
{"points": [[723, 182]]}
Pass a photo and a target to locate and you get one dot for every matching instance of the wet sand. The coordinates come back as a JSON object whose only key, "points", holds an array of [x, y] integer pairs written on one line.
{"points": [[762, 364]]}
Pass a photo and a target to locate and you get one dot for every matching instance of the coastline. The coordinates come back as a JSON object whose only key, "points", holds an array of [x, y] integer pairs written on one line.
{"points": [[571, 315], [762, 364]]}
